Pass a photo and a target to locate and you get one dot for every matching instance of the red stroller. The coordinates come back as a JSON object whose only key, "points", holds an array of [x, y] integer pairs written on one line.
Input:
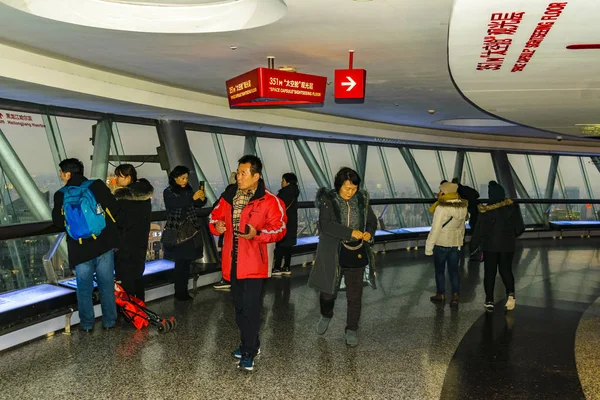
{"points": [[134, 310]]}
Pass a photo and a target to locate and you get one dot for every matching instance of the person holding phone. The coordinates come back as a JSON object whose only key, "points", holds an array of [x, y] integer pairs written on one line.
{"points": [[181, 201], [249, 217]]}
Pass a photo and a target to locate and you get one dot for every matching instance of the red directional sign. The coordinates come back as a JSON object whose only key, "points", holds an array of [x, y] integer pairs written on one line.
{"points": [[350, 84], [264, 87]]}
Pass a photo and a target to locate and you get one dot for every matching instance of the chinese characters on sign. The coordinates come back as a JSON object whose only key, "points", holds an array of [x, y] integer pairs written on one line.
{"points": [[553, 11], [498, 40], [19, 119], [496, 47], [270, 87]]}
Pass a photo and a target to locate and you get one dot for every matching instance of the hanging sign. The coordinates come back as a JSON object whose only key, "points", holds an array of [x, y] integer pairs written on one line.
{"points": [[266, 87]]}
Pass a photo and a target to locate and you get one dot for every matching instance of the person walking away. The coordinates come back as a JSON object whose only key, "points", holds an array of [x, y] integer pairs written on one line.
{"points": [[181, 237], [347, 228], [496, 233], [91, 240], [249, 217], [445, 241], [470, 195], [289, 193], [135, 203]]}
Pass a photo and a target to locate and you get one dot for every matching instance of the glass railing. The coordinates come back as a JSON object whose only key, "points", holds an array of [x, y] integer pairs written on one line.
{"points": [[30, 254]]}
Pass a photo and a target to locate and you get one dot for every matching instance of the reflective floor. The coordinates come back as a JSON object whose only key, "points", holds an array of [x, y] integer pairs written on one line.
{"points": [[410, 348]]}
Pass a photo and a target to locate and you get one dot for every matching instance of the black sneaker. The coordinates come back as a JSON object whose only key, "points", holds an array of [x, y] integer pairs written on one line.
{"points": [[276, 272], [223, 284], [286, 271]]}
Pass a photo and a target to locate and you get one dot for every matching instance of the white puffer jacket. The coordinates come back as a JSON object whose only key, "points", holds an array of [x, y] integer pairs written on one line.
{"points": [[446, 232]]}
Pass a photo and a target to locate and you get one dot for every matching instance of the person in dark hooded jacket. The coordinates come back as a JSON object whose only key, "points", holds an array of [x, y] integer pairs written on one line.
{"points": [[134, 197], [500, 223], [470, 195], [289, 193]]}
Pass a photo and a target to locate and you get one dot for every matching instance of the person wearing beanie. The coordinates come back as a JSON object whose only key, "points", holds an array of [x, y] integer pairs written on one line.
{"points": [[446, 239], [500, 223]]}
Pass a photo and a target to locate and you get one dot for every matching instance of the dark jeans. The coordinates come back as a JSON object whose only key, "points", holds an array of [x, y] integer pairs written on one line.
{"points": [[247, 301], [283, 253], [494, 262], [354, 288], [182, 276], [129, 270], [443, 256]]}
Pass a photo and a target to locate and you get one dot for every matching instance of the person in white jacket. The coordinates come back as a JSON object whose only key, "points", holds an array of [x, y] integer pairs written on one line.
{"points": [[445, 240]]}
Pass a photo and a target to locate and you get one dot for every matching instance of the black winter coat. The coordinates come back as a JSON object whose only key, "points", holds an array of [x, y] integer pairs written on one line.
{"points": [[135, 206], [471, 195], [107, 240], [180, 199], [289, 195], [498, 227], [325, 272]]}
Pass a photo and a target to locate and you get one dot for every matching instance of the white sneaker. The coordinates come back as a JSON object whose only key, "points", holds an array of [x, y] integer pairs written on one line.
{"points": [[510, 303]]}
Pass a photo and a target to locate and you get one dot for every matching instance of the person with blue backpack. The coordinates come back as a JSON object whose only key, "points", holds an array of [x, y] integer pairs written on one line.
{"points": [[87, 210]]}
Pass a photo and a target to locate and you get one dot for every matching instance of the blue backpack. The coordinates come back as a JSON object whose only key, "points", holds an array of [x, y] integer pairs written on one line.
{"points": [[84, 217]]}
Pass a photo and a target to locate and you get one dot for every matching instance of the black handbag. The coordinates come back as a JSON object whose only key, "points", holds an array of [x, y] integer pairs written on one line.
{"points": [[353, 255], [178, 231]]}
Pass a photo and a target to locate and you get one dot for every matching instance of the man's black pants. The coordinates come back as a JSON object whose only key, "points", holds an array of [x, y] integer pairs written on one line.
{"points": [[247, 300]]}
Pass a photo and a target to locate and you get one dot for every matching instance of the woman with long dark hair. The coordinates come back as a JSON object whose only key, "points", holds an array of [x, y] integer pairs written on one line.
{"points": [[289, 193], [347, 227], [181, 236], [135, 202]]}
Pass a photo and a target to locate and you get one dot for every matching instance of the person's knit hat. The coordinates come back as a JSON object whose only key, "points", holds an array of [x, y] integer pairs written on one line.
{"points": [[496, 192], [448, 187]]}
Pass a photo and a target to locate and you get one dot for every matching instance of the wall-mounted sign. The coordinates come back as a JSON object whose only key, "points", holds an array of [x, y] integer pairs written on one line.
{"points": [[265, 87], [15, 118]]}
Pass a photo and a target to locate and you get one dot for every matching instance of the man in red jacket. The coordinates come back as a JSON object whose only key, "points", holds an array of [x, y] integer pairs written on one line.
{"points": [[249, 217]]}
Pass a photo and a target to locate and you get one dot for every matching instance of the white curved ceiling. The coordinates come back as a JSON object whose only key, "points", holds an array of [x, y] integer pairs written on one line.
{"points": [[402, 44], [532, 79]]}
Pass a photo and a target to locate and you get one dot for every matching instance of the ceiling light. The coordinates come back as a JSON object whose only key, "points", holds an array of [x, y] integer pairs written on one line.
{"points": [[287, 68], [162, 16]]}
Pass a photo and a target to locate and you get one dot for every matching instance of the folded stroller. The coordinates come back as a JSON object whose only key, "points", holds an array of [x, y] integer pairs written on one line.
{"points": [[134, 310]]}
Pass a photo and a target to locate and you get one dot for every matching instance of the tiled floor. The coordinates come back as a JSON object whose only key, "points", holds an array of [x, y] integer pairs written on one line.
{"points": [[410, 349]]}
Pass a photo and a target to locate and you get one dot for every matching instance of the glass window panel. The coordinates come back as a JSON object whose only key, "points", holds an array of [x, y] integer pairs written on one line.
{"points": [[76, 135], [574, 188], [519, 164], [403, 180], [483, 171], [375, 178], [275, 161], [143, 140], [449, 159], [203, 148], [234, 146], [339, 156], [21, 262], [541, 166], [428, 164], [21, 130]]}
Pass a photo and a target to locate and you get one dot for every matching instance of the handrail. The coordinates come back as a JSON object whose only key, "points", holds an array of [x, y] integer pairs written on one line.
{"points": [[16, 231], [47, 259]]}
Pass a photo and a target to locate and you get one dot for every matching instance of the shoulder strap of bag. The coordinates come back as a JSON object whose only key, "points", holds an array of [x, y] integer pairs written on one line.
{"points": [[447, 222]]}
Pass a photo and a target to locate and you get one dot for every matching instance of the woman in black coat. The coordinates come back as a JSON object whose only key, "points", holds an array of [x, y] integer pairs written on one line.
{"points": [[134, 197], [181, 202], [499, 224], [347, 228], [283, 249]]}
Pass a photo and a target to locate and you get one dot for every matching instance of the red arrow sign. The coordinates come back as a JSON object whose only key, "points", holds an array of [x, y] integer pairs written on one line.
{"points": [[350, 84]]}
